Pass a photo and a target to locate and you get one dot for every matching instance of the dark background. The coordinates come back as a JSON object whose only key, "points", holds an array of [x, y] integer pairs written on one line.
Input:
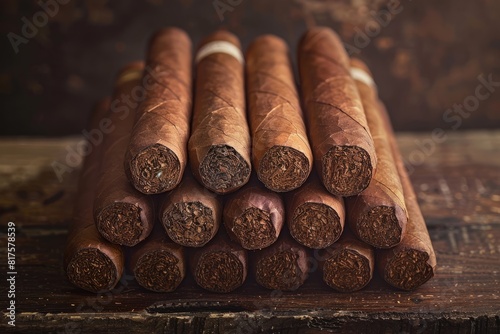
{"points": [[425, 60]]}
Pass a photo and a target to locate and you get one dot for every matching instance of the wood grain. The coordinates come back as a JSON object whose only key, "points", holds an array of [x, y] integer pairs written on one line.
{"points": [[458, 187]]}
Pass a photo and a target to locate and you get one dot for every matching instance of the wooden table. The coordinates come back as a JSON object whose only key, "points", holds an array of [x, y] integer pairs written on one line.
{"points": [[458, 185]]}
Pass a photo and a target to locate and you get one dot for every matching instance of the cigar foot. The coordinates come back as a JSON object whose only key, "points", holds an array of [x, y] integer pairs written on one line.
{"points": [[347, 170], [254, 229], [347, 271], [280, 271], [379, 227], [315, 225], [92, 270], [158, 271], [219, 272], [155, 169], [283, 168], [189, 223], [408, 269], [121, 224], [224, 169]]}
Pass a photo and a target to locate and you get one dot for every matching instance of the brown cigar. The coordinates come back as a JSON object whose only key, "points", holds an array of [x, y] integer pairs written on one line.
{"points": [[191, 214], [315, 217], [91, 262], [254, 216], [377, 215], [283, 266], [157, 154], [348, 264], [341, 141], [158, 264], [220, 266], [122, 215], [219, 147], [281, 154], [413, 262]]}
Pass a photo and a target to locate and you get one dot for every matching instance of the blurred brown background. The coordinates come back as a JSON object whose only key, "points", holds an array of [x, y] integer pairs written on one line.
{"points": [[426, 56]]}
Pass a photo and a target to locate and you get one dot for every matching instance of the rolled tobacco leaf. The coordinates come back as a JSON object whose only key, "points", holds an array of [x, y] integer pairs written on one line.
{"points": [[122, 214], [158, 264], [341, 142], [254, 216], [348, 264], [378, 215], [190, 214], [91, 262], [157, 154], [281, 154], [220, 266], [314, 216], [219, 147], [413, 261], [282, 266]]}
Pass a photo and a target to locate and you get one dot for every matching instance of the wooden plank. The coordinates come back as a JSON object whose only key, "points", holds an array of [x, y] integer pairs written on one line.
{"points": [[460, 197], [30, 191], [457, 181]]}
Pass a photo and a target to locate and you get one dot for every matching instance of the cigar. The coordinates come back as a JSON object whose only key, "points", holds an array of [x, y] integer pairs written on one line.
{"points": [[219, 147], [91, 262], [314, 216], [413, 261], [158, 264], [348, 264], [157, 154], [122, 214], [283, 266], [281, 154], [191, 214], [341, 142], [254, 216], [378, 215], [220, 266]]}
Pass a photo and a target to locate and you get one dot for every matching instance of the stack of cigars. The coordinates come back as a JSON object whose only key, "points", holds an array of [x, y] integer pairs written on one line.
{"points": [[232, 172]]}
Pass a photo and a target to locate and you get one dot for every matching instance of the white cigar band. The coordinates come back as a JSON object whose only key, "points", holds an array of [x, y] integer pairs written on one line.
{"points": [[361, 75], [220, 47]]}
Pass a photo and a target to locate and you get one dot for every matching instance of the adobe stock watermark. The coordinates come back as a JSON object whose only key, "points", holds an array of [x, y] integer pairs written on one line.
{"points": [[454, 116], [223, 6], [123, 105], [379, 19], [29, 28]]}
